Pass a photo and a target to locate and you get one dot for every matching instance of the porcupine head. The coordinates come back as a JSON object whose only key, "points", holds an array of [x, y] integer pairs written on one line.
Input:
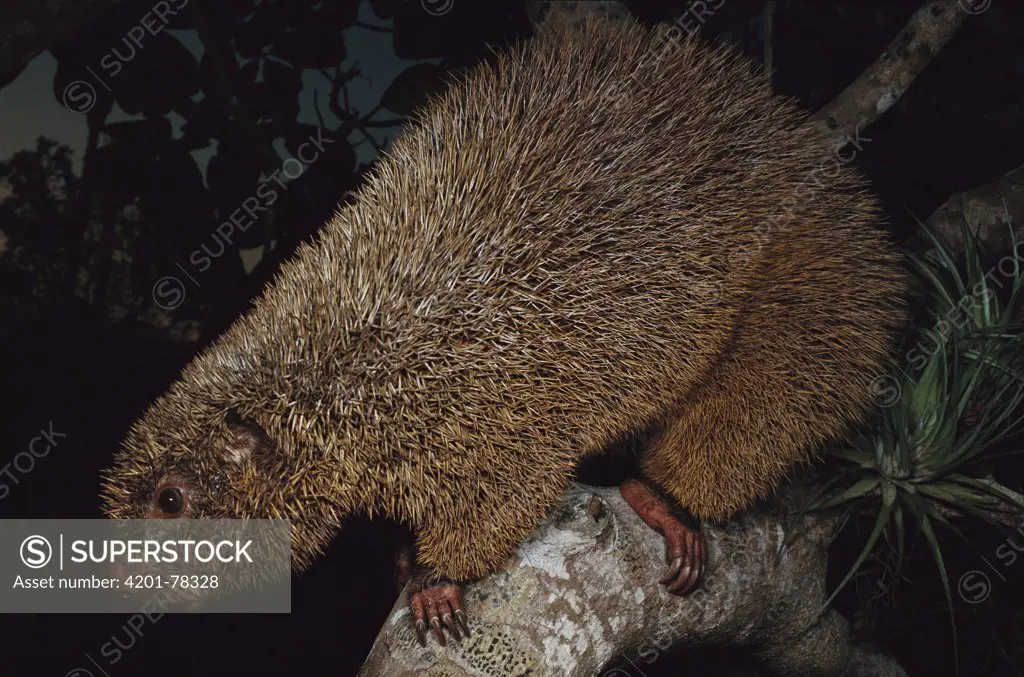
{"points": [[192, 455]]}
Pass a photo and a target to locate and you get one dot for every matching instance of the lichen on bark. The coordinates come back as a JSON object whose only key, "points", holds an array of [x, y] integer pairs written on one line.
{"points": [[582, 591]]}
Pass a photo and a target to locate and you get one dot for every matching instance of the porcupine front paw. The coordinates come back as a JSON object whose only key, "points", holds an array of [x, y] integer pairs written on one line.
{"points": [[436, 600], [685, 546]]}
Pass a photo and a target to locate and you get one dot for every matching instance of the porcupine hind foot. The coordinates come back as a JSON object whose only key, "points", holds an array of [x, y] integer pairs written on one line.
{"points": [[435, 600], [685, 546]]}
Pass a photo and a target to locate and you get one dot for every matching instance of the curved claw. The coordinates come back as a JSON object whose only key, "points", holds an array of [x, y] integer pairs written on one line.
{"points": [[673, 570], [440, 606], [461, 618], [688, 550], [450, 624], [438, 632], [686, 547]]}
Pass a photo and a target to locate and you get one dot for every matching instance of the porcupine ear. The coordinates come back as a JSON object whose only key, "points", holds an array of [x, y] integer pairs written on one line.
{"points": [[246, 440]]}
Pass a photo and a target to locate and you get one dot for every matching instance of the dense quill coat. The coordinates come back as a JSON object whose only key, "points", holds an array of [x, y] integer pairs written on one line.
{"points": [[600, 232]]}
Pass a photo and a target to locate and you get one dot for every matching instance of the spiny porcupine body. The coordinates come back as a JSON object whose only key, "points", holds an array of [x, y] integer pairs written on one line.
{"points": [[599, 232]]}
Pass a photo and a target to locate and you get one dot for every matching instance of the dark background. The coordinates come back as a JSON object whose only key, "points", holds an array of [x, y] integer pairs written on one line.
{"points": [[85, 347]]}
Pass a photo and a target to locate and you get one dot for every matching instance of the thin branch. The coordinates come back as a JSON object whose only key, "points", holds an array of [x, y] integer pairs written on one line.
{"points": [[987, 211], [227, 72], [350, 122], [769, 30], [78, 256], [316, 109], [882, 85]]}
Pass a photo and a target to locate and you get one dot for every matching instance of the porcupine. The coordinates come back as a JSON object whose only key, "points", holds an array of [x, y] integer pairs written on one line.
{"points": [[599, 232]]}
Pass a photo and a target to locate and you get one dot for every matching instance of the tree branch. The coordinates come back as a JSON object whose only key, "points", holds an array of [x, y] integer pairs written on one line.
{"points": [[583, 591], [769, 30], [882, 85], [987, 211]]}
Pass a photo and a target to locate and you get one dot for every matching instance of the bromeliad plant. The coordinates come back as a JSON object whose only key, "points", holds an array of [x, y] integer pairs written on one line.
{"points": [[956, 396]]}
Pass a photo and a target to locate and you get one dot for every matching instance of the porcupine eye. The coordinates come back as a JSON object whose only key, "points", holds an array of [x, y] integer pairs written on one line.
{"points": [[171, 500]]}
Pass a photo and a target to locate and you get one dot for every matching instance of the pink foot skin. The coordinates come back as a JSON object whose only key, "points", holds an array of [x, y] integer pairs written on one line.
{"points": [[686, 548], [436, 601]]}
